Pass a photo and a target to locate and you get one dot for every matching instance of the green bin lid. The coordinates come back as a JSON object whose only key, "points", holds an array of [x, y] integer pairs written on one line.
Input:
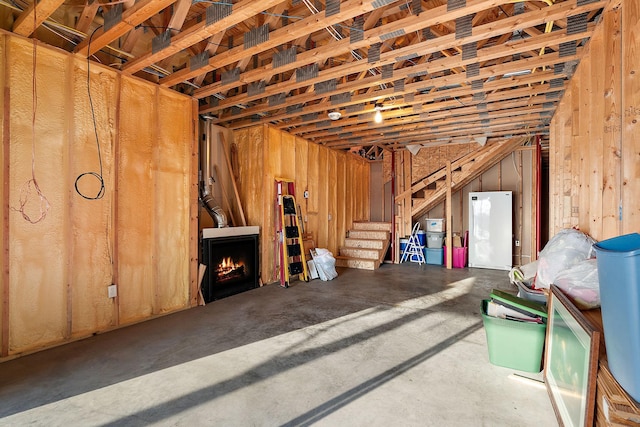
{"points": [[520, 304]]}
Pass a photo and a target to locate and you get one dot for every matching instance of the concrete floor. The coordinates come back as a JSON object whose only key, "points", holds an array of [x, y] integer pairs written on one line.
{"points": [[403, 345]]}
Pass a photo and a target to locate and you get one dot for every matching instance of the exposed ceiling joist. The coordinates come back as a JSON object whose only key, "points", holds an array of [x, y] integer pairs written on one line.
{"points": [[131, 18], [34, 16], [439, 71]]}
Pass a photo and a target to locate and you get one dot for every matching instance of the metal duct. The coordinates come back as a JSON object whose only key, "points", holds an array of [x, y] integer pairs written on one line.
{"points": [[207, 181]]}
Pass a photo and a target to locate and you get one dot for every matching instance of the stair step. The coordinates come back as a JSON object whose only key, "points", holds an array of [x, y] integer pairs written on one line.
{"points": [[363, 264], [373, 254], [350, 242], [369, 234], [369, 225]]}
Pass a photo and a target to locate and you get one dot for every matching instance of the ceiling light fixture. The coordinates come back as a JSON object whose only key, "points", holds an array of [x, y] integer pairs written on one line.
{"points": [[334, 115], [378, 116]]}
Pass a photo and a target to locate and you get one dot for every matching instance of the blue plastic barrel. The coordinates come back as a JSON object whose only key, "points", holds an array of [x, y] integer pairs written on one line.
{"points": [[619, 276], [403, 246], [422, 237]]}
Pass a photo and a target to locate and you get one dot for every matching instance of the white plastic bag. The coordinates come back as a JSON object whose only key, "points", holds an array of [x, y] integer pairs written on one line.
{"points": [[564, 250], [524, 273], [580, 283], [325, 264]]}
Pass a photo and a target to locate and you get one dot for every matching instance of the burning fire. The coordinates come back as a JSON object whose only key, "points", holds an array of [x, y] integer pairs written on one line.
{"points": [[229, 269], [228, 263]]}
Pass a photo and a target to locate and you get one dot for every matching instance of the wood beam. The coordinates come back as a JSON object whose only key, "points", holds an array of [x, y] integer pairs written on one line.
{"points": [[442, 64], [371, 36], [180, 10], [308, 25], [33, 16], [87, 16], [131, 18], [486, 54], [198, 32]]}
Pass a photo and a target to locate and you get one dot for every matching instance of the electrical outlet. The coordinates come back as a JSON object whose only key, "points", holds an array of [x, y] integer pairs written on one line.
{"points": [[517, 242], [113, 291], [330, 217]]}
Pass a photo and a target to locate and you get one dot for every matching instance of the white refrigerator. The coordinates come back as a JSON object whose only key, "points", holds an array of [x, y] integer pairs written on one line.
{"points": [[490, 229]]}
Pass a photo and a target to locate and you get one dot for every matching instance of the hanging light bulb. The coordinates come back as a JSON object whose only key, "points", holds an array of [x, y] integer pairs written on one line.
{"points": [[378, 116]]}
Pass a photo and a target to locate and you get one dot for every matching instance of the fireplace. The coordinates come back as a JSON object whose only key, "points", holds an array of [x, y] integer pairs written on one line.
{"points": [[231, 257]]}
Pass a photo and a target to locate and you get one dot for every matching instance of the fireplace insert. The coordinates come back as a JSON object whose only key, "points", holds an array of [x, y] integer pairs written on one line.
{"points": [[232, 264]]}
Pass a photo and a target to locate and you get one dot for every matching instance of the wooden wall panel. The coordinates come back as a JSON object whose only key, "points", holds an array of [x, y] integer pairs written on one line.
{"points": [[252, 187], [313, 184], [57, 272], [579, 142], [91, 267], [332, 201], [528, 234], [593, 96], [301, 166], [136, 202], [349, 191], [611, 194], [288, 159], [630, 117], [364, 191], [272, 170], [172, 179], [4, 215], [37, 258], [341, 201], [338, 185], [323, 198], [594, 134]]}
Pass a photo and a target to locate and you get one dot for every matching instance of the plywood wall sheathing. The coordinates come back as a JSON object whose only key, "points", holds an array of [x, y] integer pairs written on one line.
{"points": [[594, 142], [4, 215], [630, 117]]}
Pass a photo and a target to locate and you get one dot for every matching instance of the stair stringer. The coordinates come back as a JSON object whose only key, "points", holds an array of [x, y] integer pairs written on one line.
{"points": [[486, 159]]}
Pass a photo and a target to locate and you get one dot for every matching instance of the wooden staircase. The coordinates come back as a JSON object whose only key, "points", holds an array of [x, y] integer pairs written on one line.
{"points": [[366, 245], [430, 191]]}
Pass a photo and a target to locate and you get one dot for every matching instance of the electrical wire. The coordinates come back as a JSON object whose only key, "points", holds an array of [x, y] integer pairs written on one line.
{"points": [[97, 175], [32, 184]]}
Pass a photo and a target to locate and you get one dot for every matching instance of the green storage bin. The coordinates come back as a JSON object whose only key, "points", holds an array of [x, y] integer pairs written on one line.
{"points": [[512, 344]]}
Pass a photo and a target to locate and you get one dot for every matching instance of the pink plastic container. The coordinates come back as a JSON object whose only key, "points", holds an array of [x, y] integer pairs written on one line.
{"points": [[459, 254], [459, 257]]}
